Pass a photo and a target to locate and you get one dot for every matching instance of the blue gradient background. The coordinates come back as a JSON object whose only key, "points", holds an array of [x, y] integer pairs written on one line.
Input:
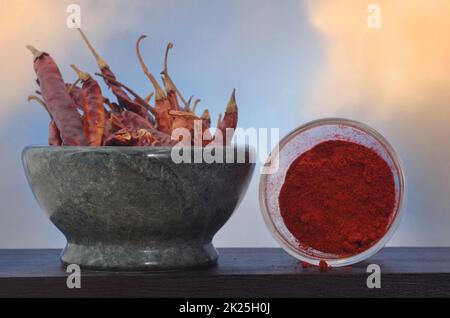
{"points": [[269, 50]]}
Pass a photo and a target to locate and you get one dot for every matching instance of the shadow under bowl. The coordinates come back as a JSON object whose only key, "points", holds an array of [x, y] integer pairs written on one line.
{"points": [[134, 208]]}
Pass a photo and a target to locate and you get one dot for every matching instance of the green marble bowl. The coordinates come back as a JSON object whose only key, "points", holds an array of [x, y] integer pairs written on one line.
{"points": [[134, 208]]}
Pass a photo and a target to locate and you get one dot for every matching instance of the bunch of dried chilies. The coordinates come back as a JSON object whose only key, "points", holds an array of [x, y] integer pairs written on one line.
{"points": [[81, 116]]}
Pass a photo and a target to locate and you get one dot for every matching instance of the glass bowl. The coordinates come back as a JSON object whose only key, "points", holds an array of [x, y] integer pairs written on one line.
{"points": [[301, 140]]}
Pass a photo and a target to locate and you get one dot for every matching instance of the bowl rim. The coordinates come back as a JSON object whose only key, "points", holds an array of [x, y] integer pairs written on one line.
{"points": [[130, 148], [149, 151], [348, 260]]}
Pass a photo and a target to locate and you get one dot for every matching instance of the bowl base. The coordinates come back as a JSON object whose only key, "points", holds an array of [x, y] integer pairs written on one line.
{"points": [[138, 258]]}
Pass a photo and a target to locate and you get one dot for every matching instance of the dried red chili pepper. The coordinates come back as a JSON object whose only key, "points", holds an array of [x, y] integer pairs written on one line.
{"points": [[134, 121], [116, 123], [182, 119], [119, 138], [132, 92], [122, 97], [228, 124], [144, 138], [108, 130], [161, 138], [76, 94], [94, 112], [140, 137], [58, 100], [114, 107], [206, 118], [129, 120], [187, 120], [54, 138], [206, 124], [338, 198], [162, 104], [123, 123]]}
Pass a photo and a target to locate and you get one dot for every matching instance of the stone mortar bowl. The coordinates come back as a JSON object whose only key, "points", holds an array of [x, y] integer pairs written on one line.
{"points": [[134, 208]]}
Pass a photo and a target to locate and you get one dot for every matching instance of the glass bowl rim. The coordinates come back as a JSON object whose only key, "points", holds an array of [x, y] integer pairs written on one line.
{"points": [[402, 188]]}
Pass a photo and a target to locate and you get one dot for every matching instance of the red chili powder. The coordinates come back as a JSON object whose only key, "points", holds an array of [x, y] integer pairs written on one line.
{"points": [[323, 266], [306, 264], [338, 197]]}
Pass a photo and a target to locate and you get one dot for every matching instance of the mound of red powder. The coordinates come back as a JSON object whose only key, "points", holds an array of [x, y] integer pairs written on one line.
{"points": [[338, 197]]}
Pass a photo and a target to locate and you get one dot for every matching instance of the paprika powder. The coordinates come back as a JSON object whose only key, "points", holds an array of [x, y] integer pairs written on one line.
{"points": [[338, 198]]}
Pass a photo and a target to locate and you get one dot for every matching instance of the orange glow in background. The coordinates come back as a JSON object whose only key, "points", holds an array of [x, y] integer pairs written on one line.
{"points": [[291, 61]]}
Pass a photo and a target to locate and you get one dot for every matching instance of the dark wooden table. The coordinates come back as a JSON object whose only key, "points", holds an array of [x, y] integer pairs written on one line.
{"points": [[245, 272]]}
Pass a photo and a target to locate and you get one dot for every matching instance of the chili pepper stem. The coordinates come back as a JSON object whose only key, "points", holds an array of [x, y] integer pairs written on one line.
{"points": [[159, 93], [170, 85], [129, 90], [100, 62], [149, 97], [36, 53], [37, 99], [190, 100], [166, 58], [73, 85], [219, 120], [40, 101], [83, 76], [197, 101], [179, 94]]}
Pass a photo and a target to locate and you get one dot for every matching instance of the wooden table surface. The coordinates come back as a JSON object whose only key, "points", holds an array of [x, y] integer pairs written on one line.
{"points": [[241, 272]]}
